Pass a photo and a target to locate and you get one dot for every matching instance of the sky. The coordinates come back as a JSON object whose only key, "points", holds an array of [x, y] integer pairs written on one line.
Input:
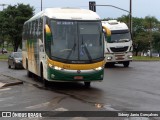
{"points": [[140, 8]]}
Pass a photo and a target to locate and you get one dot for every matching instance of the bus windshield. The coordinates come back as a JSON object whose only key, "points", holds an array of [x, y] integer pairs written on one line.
{"points": [[76, 41], [120, 36]]}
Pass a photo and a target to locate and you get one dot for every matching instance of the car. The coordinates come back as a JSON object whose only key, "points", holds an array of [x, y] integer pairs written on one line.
{"points": [[4, 50], [15, 60]]}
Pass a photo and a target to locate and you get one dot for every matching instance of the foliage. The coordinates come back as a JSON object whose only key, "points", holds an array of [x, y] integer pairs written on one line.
{"points": [[156, 41], [145, 35], [142, 35], [12, 20]]}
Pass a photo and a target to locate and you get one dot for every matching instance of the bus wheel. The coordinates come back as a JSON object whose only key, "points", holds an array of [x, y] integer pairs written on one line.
{"points": [[87, 84], [126, 63], [45, 82], [109, 65], [29, 74]]}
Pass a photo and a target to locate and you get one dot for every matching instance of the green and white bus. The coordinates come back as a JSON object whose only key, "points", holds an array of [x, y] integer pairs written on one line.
{"points": [[64, 45]]}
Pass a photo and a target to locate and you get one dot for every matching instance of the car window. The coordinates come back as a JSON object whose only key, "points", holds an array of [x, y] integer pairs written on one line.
{"points": [[18, 55], [11, 55]]}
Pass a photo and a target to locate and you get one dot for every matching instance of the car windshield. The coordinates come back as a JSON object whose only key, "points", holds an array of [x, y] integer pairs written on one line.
{"points": [[76, 41], [18, 55], [120, 36]]}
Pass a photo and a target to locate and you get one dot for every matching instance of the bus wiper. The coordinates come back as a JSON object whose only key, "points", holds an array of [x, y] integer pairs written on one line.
{"points": [[74, 46], [86, 50]]}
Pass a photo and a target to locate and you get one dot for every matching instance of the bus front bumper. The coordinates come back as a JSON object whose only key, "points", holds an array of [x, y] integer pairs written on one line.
{"points": [[74, 75]]}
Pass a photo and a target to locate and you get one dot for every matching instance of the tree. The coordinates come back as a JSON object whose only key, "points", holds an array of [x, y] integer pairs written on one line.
{"points": [[150, 24], [143, 29], [1, 28], [140, 41], [14, 18], [140, 36], [156, 41]]}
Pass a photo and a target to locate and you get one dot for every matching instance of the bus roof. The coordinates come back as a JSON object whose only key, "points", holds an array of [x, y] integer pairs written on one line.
{"points": [[67, 13], [115, 25]]}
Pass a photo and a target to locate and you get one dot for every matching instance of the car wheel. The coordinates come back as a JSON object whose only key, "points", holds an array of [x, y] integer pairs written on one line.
{"points": [[15, 67], [9, 66]]}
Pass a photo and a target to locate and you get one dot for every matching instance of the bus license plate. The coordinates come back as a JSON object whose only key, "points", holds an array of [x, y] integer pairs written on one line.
{"points": [[119, 57], [78, 77]]}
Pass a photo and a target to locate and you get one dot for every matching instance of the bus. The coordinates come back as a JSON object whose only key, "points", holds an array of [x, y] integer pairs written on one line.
{"points": [[118, 43], [64, 45]]}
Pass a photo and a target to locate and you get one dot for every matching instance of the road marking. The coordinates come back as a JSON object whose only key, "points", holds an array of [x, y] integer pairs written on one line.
{"points": [[5, 89], [1, 84], [53, 102], [109, 108], [38, 105], [61, 109]]}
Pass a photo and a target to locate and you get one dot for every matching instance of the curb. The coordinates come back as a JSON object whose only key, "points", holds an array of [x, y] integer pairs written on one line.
{"points": [[10, 84]]}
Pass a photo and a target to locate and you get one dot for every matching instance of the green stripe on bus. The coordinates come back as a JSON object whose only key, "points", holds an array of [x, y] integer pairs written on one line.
{"points": [[68, 76]]}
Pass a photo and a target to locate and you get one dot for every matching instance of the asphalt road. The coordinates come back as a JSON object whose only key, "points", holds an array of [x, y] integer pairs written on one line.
{"points": [[123, 89]]}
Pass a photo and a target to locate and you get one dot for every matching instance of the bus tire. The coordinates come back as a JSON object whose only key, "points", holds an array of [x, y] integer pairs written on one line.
{"points": [[87, 84], [45, 82], [109, 65], [29, 74], [126, 64]]}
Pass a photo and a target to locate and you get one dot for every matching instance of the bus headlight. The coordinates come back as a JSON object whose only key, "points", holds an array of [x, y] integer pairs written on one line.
{"points": [[50, 65], [130, 56], [57, 68], [109, 58], [54, 67], [99, 68]]}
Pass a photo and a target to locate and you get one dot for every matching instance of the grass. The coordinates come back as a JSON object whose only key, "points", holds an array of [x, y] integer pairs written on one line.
{"points": [[4, 56], [146, 58]]}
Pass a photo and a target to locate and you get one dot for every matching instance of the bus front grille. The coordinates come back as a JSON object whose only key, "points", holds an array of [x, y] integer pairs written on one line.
{"points": [[120, 49]]}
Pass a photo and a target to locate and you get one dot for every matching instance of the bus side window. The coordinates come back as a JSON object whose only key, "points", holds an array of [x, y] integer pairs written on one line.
{"points": [[41, 29]]}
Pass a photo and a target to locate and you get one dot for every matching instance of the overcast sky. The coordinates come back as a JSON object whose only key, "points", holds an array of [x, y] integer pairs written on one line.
{"points": [[140, 8]]}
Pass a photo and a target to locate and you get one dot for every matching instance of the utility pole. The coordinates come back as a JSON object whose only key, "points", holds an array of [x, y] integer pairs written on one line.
{"points": [[3, 5], [130, 17], [41, 5]]}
